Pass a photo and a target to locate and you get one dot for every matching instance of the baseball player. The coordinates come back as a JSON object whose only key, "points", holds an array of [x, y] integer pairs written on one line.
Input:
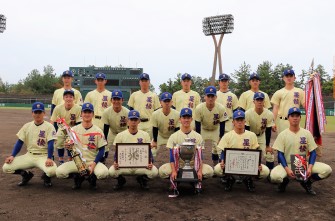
{"points": [[91, 144], [228, 99], [246, 100], [243, 139], [210, 119], [57, 98], [38, 135], [114, 118], [186, 131], [133, 135], [297, 140], [284, 99], [145, 102], [260, 121], [165, 121]]}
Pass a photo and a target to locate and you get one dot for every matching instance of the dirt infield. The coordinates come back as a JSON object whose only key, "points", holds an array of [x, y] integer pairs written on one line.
{"points": [[35, 202]]}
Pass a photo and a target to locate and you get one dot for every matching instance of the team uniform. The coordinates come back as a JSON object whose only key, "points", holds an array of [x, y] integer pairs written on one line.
{"points": [[230, 101], [285, 99], [71, 116], [258, 124], [57, 98], [247, 140], [145, 103], [246, 100]]}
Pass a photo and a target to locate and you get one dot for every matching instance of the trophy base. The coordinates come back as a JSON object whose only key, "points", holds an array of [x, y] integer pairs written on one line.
{"points": [[187, 175]]}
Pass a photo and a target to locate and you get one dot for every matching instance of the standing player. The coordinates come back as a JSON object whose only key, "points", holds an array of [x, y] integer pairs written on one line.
{"points": [[165, 121], [228, 99], [114, 118], [297, 140], [92, 150], [260, 121], [284, 99], [243, 139], [145, 102], [186, 131], [210, 119], [246, 100], [133, 135], [38, 136], [57, 98]]}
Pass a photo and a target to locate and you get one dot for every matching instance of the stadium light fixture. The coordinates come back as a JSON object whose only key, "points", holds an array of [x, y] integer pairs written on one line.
{"points": [[217, 25], [2, 23]]}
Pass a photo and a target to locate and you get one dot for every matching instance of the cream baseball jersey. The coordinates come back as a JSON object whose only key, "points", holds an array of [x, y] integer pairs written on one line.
{"points": [[145, 103], [57, 98], [182, 99], [71, 116], [246, 100]]}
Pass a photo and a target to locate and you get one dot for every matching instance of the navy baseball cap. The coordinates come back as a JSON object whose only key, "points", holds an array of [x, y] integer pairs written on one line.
{"points": [[68, 92], [210, 90], [259, 95], [67, 73], [185, 76], [293, 110], [166, 96], [38, 106], [134, 114], [100, 76], [238, 114], [144, 76], [254, 75], [287, 72], [87, 106], [117, 94], [223, 77], [186, 112]]}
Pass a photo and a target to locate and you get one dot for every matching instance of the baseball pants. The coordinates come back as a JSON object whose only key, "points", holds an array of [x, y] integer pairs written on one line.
{"points": [[64, 170], [165, 171], [133, 171]]}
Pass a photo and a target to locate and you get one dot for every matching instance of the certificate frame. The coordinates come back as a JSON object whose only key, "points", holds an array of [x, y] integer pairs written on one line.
{"points": [[132, 155], [242, 161]]}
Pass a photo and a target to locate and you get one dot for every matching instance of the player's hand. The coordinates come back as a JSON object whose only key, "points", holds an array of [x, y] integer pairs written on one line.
{"points": [[260, 168], [289, 172], [269, 149], [174, 175], [153, 144], [199, 175], [274, 128], [9, 159], [68, 145], [222, 164], [149, 166], [116, 165], [92, 167], [49, 163]]}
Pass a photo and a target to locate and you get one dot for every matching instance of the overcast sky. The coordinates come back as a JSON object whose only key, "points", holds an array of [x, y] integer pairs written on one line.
{"points": [[163, 37]]}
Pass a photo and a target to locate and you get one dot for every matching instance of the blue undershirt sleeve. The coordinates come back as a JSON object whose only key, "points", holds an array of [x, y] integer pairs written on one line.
{"points": [[198, 127], [222, 155], [281, 159], [312, 157], [52, 109], [171, 156], [61, 152], [51, 148], [100, 155], [17, 147]]}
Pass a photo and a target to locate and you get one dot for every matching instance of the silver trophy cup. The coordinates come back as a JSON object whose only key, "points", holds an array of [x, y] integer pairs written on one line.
{"points": [[186, 153]]}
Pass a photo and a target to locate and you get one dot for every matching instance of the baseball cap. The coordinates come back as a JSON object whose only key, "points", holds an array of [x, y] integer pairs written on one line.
{"points": [[87, 106], [210, 90], [293, 110], [134, 114], [144, 76], [254, 75], [100, 76], [67, 73], [186, 75], [166, 96], [259, 95], [288, 71], [238, 114], [117, 94], [37, 106], [68, 92], [186, 112], [223, 77]]}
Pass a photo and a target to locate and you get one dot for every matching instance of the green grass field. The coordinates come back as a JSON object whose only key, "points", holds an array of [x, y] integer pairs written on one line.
{"points": [[330, 127]]}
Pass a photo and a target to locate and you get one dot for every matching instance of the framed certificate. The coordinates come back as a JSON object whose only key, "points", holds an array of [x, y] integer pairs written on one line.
{"points": [[242, 161], [133, 155]]}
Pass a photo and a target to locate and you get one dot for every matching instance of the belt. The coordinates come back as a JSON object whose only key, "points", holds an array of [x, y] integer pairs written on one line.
{"points": [[283, 118], [37, 153], [258, 135], [97, 117], [144, 119]]}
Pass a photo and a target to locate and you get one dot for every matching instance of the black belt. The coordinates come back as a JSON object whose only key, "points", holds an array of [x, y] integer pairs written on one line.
{"points": [[37, 153], [283, 118], [144, 119], [258, 135], [97, 117]]}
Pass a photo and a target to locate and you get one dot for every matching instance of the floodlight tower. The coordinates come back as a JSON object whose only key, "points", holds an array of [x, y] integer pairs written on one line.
{"points": [[2, 23], [217, 25]]}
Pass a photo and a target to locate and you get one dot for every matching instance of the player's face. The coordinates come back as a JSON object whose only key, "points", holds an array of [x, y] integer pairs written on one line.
{"points": [[254, 83], [144, 84], [117, 102], [100, 82], [38, 116], [289, 79], [186, 84], [294, 119], [223, 84], [210, 99], [259, 103], [87, 115], [186, 121], [67, 80], [239, 123], [68, 99], [166, 104], [133, 123]]}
